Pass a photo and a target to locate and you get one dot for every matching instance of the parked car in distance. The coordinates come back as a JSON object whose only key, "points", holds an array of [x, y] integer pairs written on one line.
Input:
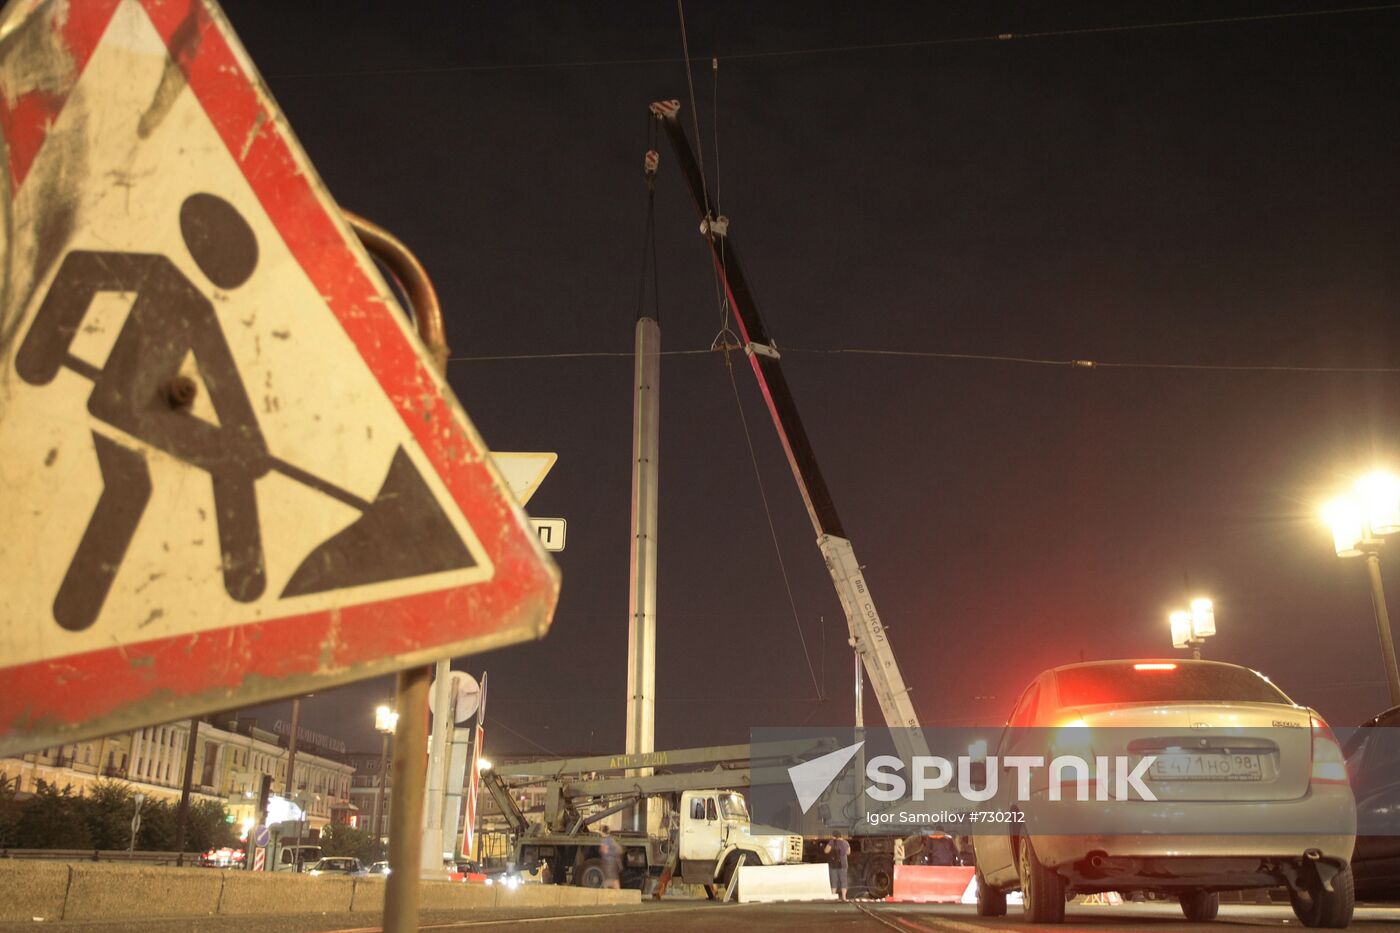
{"points": [[1226, 744], [378, 868], [338, 865], [1373, 760]]}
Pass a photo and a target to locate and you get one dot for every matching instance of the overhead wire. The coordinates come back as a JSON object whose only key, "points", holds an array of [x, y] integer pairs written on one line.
{"points": [[1090, 363], [496, 721], [840, 49], [971, 357]]}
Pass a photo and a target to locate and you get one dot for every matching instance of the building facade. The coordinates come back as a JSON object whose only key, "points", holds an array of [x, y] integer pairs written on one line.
{"points": [[231, 757]]}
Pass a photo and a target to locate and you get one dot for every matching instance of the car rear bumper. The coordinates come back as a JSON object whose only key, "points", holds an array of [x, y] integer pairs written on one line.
{"points": [[1325, 810], [1069, 851], [1321, 823]]}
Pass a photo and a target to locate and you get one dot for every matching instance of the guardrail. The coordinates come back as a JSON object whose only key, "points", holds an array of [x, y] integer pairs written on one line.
{"points": [[104, 855]]}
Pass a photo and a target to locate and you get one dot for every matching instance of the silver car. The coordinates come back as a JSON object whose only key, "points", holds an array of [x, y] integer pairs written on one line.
{"points": [[1220, 746]]}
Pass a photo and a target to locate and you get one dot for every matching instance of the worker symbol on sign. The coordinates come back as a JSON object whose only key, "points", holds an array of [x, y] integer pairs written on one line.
{"points": [[141, 390]]}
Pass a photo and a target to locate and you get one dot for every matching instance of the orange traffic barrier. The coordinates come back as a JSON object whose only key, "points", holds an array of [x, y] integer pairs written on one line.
{"points": [[930, 884]]}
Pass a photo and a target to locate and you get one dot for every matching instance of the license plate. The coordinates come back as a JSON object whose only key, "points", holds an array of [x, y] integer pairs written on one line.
{"points": [[1206, 766]]}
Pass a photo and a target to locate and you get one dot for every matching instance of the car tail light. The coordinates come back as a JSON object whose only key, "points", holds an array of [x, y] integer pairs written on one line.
{"points": [[1328, 764], [1073, 739], [1155, 666]]}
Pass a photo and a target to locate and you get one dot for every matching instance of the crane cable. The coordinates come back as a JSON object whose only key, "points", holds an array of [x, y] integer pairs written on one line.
{"points": [[772, 529], [722, 300]]}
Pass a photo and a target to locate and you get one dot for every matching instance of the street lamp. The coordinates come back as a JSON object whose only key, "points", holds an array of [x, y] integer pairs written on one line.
{"points": [[1360, 521], [1191, 629], [386, 720]]}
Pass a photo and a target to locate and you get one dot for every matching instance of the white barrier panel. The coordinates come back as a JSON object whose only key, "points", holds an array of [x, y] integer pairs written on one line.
{"points": [[766, 884], [1013, 898]]}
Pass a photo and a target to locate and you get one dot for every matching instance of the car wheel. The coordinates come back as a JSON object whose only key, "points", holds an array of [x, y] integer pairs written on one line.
{"points": [[1332, 909], [1200, 906], [1042, 889], [991, 902], [590, 874]]}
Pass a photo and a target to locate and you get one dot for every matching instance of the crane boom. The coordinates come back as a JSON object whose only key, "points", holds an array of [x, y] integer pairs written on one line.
{"points": [[867, 632]]}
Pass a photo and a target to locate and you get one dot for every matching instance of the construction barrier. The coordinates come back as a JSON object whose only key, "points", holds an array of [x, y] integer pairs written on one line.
{"points": [[37, 890], [1013, 898], [931, 884], [767, 884], [1106, 898]]}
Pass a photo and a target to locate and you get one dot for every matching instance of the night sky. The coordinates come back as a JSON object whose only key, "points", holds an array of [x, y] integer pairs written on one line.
{"points": [[1211, 195]]}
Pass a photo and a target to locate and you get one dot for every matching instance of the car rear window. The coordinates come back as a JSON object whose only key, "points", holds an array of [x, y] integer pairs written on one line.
{"points": [[1123, 683]]}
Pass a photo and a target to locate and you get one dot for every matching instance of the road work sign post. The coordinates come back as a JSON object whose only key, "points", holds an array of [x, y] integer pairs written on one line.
{"points": [[232, 472]]}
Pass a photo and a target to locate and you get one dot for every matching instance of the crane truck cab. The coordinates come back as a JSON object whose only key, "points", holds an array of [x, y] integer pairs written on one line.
{"points": [[715, 831]]}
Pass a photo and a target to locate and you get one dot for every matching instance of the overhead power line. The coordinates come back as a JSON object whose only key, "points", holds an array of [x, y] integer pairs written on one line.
{"points": [[843, 49], [967, 357]]}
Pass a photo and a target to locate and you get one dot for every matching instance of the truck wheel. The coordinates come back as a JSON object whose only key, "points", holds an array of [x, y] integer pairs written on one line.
{"points": [[1200, 906], [991, 902], [731, 865], [1042, 889], [590, 874], [1316, 907], [879, 882]]}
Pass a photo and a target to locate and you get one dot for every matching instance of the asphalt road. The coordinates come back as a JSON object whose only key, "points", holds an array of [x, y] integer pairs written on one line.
{"points": [[684, 916]]}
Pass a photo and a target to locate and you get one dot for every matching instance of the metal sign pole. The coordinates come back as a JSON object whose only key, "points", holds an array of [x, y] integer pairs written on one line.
{"points": [[406, 801], [411, 740], [182, 816]]}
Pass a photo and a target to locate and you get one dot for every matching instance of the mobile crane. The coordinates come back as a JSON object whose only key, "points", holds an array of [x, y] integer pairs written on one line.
{"points": [[705, 832], [872, 857]]}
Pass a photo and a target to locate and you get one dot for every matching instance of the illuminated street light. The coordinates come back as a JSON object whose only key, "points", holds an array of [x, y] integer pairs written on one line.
{"points": [[483, 764], [386, 720], [1191, 629], [1360, 521]]}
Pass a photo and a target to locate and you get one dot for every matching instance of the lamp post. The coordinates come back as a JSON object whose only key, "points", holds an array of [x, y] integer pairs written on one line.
{"points": [[386, 720], [1191, 629], [1360, 522]]}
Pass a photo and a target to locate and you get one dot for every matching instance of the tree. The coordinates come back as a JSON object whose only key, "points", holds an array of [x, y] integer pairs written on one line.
{"points": [[108, 809], [9, 811], [52, 819], [341, 839], [157, 826], [208, 827]]}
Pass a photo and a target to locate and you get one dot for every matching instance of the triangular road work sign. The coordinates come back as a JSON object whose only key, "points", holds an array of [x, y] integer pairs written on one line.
{"points": [[231, 473]]}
